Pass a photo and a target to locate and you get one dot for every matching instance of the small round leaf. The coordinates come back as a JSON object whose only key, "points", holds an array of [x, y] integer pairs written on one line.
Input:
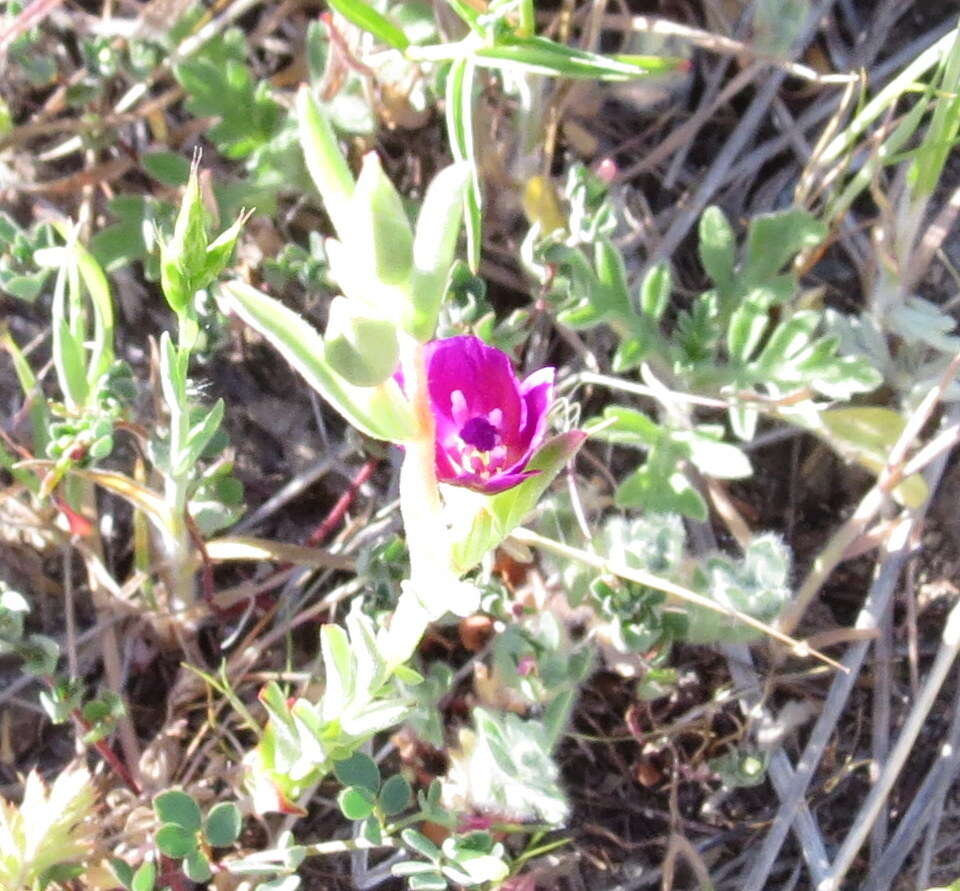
{"points": [[395, 795], [175, 841], [177, 807], [145, 877], [371, 831], [122, 870], [197, 867], [431, 881], [356, 802], [358, 770], [223, 823]]}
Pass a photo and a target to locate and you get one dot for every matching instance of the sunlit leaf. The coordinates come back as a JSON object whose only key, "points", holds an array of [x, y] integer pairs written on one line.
{"points": [[363, 15], [867, 434], [499, 514]]}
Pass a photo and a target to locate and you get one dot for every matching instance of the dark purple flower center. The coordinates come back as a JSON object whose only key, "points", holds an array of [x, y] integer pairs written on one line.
{"points": [[479, 433]]}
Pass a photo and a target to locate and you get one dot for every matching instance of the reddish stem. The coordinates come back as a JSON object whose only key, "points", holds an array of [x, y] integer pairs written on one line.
{"points": [[332, 520], [171, 875], [109, 755]]}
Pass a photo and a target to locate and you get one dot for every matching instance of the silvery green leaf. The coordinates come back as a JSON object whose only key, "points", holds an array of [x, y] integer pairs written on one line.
{"points": [[326, 163], [434, 246]]}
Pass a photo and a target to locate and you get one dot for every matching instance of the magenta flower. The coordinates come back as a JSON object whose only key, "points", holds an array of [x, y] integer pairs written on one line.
{"points": [[489, 423]]}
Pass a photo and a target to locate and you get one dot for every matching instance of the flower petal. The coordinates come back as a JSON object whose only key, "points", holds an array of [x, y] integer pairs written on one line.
{"points": [[481, 373], [537, 393], [491, 485]]}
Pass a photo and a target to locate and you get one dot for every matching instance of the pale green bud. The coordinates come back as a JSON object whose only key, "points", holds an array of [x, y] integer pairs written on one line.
{"points": [[360, 348], [188, 260]]}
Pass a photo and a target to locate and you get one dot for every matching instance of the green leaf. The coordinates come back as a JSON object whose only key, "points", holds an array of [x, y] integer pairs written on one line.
{"points": [[717, 249], [381, 412], [145, 877], [40, 655], [412, 868], [613, 297], [659, 487], [325, 161], [626, 426], [540, 55], [500, 514], [396, 795], [941, 136], [168, 168], [175, 841], [358, 770], [434, 247], [356, 802], [39, 414], [786, 343], [371, 669], [748, 323], [408, 675], [867, 434], [220, 250], [196, 867], [98, 288], [199, 437], [713, 457], [380, 232], [459, 115], [338, 668], [371, 830], [70, 361], [122, 870], [418, 842], [24, 287], [774, 239], [220, 84], [183, 256], [122, 243], [175, 806], [630, 353], [365, 16], [428, 882], [655, 291], [223, 824]]}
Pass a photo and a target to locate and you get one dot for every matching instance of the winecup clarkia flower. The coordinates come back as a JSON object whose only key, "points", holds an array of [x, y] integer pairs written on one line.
{"points": [[489, 422]]}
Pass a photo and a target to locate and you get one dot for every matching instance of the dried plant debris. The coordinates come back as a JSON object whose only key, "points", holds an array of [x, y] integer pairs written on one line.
{"points": [[478, 445]]}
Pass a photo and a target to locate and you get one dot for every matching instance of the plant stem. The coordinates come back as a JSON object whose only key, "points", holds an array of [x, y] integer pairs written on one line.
{"points": [[108, 755], [431, 574]]}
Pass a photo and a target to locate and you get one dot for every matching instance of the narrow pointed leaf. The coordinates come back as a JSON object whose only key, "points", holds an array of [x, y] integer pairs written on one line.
{"points": [[363, 15], [434, 246], [325, 161]]}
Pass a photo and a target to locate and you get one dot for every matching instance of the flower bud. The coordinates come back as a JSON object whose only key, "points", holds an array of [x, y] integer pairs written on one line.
{"points": [[360, 348], [188, 261]]}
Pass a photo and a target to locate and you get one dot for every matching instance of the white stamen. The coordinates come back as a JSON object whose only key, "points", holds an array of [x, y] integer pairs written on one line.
{"points": [[458, 407]]}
